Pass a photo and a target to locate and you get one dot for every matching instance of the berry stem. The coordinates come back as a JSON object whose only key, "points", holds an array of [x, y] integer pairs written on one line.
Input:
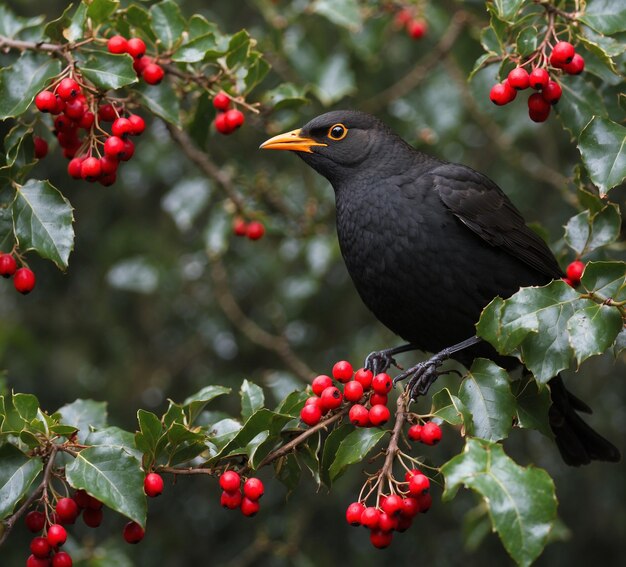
{"points": [[393, 449]]}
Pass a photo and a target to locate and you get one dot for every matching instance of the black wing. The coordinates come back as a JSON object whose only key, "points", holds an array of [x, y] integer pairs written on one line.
{"points": [[482, 206]]}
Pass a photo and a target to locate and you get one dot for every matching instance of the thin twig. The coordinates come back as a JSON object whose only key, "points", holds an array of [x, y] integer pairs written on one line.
{"points": [[386, 472]]}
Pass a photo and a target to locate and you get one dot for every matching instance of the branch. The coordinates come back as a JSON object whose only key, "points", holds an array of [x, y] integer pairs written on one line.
{"points": [[9, 43], [386, 472]]}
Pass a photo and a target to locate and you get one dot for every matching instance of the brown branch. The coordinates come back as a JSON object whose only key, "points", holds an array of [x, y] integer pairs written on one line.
{"points": [[386, 472], [10, 43]]}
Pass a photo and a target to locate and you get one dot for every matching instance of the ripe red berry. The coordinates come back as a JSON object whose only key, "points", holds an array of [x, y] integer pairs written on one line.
{"points": [[136, 47], [370, 517], [8, 265], [379, 415], [416, 28], [133, 532], [117, 44], [538, 108], [75, 109], [34, 561], [418, 484], [354, 512], [231, 500], [387, 523], [320, 383], [381, 383], [411, 473], [108, 165], [353, 391], [92, 518], [410, 507], [153, 484], [40, 547], [121, 127], [364, 377], [74, 167], [40, 147], [313, 400], [342, 371], [575, 271], [518, 78], [311, 414], [56, 535], [67, 510], [137, 123], [359, 415], [24, 280], [107, 113], [538, 78], [68, 89], [253, 489], [62, 559], [140, 64], [576, 66], [249, 507], [230, 481], [90, 169], [239, 226], [403, 523], [45, 101], [431, 433], [552, 92], [153, 74], [392, 505], [129, 150], [221, 125], [87, 120], [221, 101], [415, 432], [255, 230], [425, 501], [234, 119], [35, 521], [502, 93], [562, 53], [381, 539], [403, 17], [378, 399], [331, 398]]}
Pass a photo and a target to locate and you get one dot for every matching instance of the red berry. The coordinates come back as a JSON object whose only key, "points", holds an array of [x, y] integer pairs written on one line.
{"points": [[45, 101], [403, 523], [552, 92], [392, 505], [230, 481], [381, 539], [74, 167], [94, 503], [364, 377], [313, 400], [221, 125], [41, 147], [320, 383], [137, 123], [354, 512], [107, 113], [538, 108], [133, 532], [40, 547], [81, 498], [576, 66], [518, 78], [416, 28], [68, 89], [431, 433], [56, 535], [107, 179], [538, 78], [140, 64], [75, 109], [575, 271], [370, 517], [231, 500], [136, 47], [153, 484], [410, 507], [502, 93], [562, 53], [153, 74], [86, 122], [403, 17], [249, 507], [129, 150], [411, 473], [221, 101], [379, 415], [569, 282], [255, 230], [35, 521], [234, 119], [331, 398], [240, 226], [117, 44], [92, 518], [425, 501], [253, 489], [8, 267], [311, 414], [415, 432], [67, 510], [121, 127], [62, 559], [90, 169], [353, 391], [342, 371], [387, 523], [34, 561], [378, 399], [418, 484], [24, 280], [108, 165], [359, 415], [382, 384]]}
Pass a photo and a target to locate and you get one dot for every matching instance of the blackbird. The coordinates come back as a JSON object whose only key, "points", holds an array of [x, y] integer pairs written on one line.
{"points": [[428, 244]]}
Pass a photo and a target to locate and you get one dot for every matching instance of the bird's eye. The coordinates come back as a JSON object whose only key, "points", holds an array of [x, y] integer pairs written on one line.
{"points": [[337, 132]]}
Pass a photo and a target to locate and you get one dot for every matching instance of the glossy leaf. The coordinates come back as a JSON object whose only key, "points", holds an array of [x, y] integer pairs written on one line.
{"points": [[450, 408], [606, 279], [354, 448], [75, 30], [100, 10], [197, 402], [167, 23], [579, 103], [196, 50], [286, 95], [108, 71], [507, 9], [161, 100], [287, 471], [336, 79], [593, 329], [17, 473], [532, 405], [252, 399], [605, 16], [82, 414], [344, 13], [586, 232], [11, 24], [329, 452], [7, 237]]}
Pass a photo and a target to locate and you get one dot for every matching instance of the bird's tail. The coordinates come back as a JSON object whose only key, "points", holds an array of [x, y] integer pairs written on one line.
{"points": [[578, 443]]}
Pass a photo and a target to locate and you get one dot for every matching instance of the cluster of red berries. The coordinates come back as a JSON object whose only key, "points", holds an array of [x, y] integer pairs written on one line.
{"points": [[73, 111], [415, 27], [574, 273], [563, 57], [228, 119], [394, 512], [23, 278], [253, 229], [372, 412], [144, 66], [429, 433], [235, 496]]}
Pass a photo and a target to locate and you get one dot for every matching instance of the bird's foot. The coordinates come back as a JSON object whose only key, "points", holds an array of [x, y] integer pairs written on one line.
{"points": [[421, 376], [381, 360]]}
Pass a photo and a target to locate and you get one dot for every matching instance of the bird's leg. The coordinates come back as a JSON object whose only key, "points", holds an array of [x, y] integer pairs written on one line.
{"points": [[380, 360], [423, 375]]}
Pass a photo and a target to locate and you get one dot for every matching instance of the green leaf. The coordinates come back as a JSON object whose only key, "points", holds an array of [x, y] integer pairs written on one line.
{"points": [[286, 95], [167, 23], [26, 406], [139, 18], [532, 405], [20, 82], [593, 330], [197, 49], [480, 63], [11, 25], [108, 71], [55, 28], [197, 402], [606, 279], [224, 431], [100, 10], [161, 100], [344, 13], [17, 473], [605, 48], [257, 70], [486, 393], [579, 104], [527, 41], [308, 455], [605, 16], [602, 147], [451, 409], [331, 445], [114, 437], [336, 79], [287, 471], [149, 434], [43, 219], [508, 9], [238, 49], [354, 448], [7, 237], [521, 501], [586, 232], [75, 30], [82, 414], [113, 476], [12, 421], [252, 399]]}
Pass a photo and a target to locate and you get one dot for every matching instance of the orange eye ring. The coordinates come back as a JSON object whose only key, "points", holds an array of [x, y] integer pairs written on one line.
{"points": [[337, 132]]}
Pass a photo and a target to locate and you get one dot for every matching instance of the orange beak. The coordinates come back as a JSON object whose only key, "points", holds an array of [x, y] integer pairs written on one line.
{"points": [[293, 141]]}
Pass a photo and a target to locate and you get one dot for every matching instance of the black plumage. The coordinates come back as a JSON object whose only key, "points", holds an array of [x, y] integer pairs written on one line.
{"points": [[428, 244]]}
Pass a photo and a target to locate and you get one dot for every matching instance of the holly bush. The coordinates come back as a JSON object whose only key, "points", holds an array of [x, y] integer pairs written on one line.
{"points": [[202, 269]]}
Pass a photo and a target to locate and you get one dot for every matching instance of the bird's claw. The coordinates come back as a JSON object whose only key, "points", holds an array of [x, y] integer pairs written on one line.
{"points": [[421, 377], [379, 361]]}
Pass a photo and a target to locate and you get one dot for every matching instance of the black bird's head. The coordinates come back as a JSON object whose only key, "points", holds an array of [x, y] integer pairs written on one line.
{"points": [[342, 143]]}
